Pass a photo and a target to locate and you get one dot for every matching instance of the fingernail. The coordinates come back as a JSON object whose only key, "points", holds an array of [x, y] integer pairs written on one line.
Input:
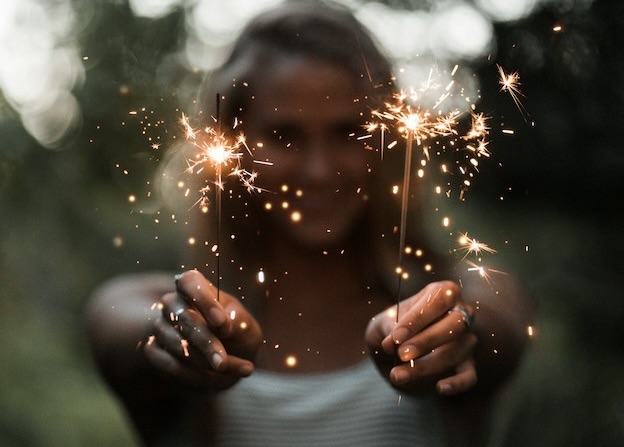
{"points": [[216, 360], [246, 369], [407, 353], [445, 389], [399, 376], [399, 335], [178, 277], [215, 316]]}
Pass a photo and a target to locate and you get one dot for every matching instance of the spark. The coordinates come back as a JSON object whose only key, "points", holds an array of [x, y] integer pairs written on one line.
{"points": [[510, 83], [472, 246], [480, 149], [185, 347], [483, 271], [479, 128]]}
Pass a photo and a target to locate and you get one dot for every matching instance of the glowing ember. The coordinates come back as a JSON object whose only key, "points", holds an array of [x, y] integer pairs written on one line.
{"points": [[483, 271], [473, 246], [291, 361], [510, 83]]}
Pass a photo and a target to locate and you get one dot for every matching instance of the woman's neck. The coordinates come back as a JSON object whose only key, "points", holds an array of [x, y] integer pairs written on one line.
{"points": [[315, 308]]}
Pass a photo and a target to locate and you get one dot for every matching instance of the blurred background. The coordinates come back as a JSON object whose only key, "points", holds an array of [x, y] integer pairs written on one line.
{"points": [[91, 93]]}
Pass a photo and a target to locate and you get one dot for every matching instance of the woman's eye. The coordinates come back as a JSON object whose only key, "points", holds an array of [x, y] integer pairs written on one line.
{"points": [[348, 128], [282, 137], [289, 136], [347, 132]]}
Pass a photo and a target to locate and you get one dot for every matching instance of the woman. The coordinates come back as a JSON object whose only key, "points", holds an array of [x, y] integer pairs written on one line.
{"points": [[311, 352]]}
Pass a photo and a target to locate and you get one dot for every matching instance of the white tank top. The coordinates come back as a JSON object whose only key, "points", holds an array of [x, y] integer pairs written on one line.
{"points": [[352, 407]]}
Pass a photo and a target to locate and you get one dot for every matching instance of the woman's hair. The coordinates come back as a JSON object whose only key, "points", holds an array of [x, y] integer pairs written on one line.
{"points": [[316, 29]]}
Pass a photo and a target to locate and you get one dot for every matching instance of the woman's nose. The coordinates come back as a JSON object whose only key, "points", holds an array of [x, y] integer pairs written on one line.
{"points": [[319, 164]]}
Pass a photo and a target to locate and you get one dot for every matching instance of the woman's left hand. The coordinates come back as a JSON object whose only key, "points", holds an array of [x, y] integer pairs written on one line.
{"points": [[430, 342]]}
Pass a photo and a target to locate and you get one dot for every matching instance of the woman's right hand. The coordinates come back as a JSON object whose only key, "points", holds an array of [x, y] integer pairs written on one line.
{"points": [[202, 338]]}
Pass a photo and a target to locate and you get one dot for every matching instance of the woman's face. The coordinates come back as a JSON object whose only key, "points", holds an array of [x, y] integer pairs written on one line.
{"points": [[305, 119]]}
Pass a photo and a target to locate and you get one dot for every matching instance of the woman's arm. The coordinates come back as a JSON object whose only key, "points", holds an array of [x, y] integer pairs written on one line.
{"points": [[164, 345], [120, 319], [435, 340]]}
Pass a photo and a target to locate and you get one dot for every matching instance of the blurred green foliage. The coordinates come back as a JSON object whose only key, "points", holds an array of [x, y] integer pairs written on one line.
{"points": [[66, 224]]}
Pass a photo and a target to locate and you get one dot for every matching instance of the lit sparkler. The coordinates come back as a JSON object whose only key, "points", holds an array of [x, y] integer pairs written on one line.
{"points": [[425, 128], [443, 134], [415, 126], [215, 150]]}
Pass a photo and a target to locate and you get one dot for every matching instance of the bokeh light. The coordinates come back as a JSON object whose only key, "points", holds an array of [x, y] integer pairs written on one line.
{"points": [[46, 68], [41, 66], [507, 10]]}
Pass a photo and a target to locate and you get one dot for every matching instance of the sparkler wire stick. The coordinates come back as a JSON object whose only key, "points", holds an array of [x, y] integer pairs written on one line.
{"points": [[214, 149], [218, 188], [417, 125], [404, 206]]}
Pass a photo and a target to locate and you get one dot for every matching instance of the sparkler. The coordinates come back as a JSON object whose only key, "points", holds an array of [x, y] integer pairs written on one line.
{"points": [[424, 128], [435, 132], [414, 125], [215, 150]]}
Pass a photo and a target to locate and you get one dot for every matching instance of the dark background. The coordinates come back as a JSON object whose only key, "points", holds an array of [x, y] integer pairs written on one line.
{"points": [[66, 224]]}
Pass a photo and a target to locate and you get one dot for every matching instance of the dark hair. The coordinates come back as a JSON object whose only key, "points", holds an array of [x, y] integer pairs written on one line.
{"points": [[317, 29]]}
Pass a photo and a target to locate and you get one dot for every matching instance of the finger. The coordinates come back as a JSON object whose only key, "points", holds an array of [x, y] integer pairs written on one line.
{"points": [[440, 333], [202, 294], [170, 365], [463, 380], [203, 343], [434, 365], [237, 366], [193, 335], [169, 339], [188, 350], [379, 327], [167, 363], [421, 310], [464, 313]]}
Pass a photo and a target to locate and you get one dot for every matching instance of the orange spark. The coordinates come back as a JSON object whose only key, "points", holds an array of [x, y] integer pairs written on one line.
{"points": [[216, 151], [510, 83]]}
